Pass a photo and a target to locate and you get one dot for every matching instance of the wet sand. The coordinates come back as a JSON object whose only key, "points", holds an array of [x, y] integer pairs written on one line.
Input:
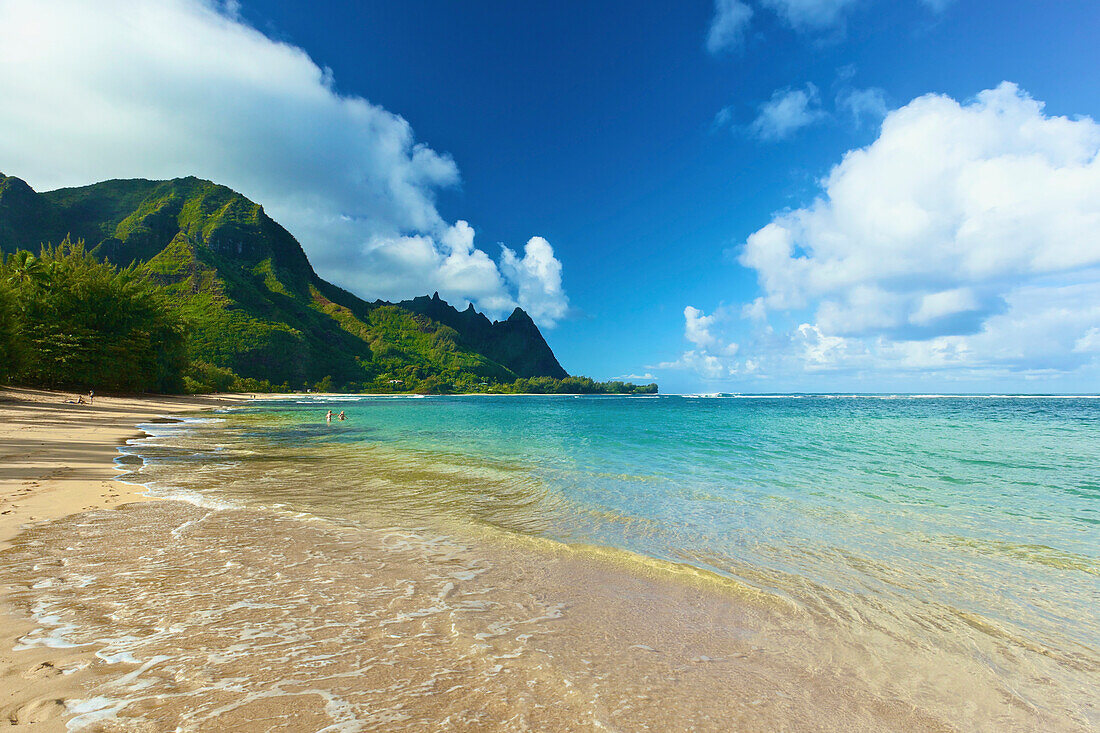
{"points": [[165, 615], [251, 621], [57, 459]]}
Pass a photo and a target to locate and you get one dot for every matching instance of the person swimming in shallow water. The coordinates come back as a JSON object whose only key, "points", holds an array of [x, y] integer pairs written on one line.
{"points": [[328, 417], [342, 416]]}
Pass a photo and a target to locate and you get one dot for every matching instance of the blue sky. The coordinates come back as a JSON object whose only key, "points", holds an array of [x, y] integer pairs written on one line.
{"points": [[644, 164]]}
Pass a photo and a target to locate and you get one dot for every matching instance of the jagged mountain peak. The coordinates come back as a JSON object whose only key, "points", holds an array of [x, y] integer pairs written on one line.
{"points": [[254, 301]]}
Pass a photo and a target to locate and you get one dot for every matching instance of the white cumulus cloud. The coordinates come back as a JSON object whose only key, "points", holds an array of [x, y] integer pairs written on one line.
{"points": [[711, 356], [966, 236], [168, 88], [538, 277], [697, 327], [447, 263]]}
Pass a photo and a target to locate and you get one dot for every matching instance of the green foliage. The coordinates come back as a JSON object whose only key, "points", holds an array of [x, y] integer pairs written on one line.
{"points": [[256, 316], [572, 385], [86, 324], [410, 348], [11, 347], [515, 343], [204, 378]]}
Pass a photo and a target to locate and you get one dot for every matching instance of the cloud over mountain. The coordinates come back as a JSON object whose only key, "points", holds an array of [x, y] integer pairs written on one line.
{"points": [[537, 275], [177, 87]]}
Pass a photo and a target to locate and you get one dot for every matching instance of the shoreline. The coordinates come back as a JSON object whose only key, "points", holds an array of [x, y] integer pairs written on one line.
{"points": [[57, 459], [139, 609], [60, 464]]}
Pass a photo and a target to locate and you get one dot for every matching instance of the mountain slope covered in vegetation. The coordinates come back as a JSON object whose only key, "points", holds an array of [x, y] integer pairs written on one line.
{"points": [[252, 305]]}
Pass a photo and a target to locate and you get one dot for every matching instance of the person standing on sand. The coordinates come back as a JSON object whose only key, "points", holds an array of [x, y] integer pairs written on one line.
{"points": [[91, 395]]}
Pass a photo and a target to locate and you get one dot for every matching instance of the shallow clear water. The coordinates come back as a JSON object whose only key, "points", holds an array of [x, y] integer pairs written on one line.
{"points": [[982, 505], [787, 562]]}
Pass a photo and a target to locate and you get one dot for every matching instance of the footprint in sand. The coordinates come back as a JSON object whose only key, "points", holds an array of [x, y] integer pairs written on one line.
{"points": [[41, 671], [33, 711]]}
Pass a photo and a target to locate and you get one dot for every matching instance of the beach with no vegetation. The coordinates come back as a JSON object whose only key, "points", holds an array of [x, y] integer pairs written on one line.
{"points": [[57, 459]]}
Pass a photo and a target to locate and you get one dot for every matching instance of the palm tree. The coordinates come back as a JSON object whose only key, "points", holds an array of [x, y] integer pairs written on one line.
{"points": [[24, 268]]}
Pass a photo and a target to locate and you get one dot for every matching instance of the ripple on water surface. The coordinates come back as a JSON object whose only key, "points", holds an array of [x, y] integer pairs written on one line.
{"points": [[751, 563], [250, 620]]}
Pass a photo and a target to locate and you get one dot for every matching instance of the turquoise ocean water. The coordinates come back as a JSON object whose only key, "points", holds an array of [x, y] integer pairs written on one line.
{"points": [[765, 563], [911, 510]]}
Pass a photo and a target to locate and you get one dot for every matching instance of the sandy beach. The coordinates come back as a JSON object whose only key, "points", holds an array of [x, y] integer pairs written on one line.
{"points": [[263, 595], [56, 459]]}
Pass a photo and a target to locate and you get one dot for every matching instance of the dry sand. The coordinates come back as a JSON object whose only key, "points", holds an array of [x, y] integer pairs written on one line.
{"points": [[57, 459]]}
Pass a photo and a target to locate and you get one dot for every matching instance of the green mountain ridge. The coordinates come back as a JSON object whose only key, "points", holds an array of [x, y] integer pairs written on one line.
{"points": [[516, 341], [253, 303]]}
